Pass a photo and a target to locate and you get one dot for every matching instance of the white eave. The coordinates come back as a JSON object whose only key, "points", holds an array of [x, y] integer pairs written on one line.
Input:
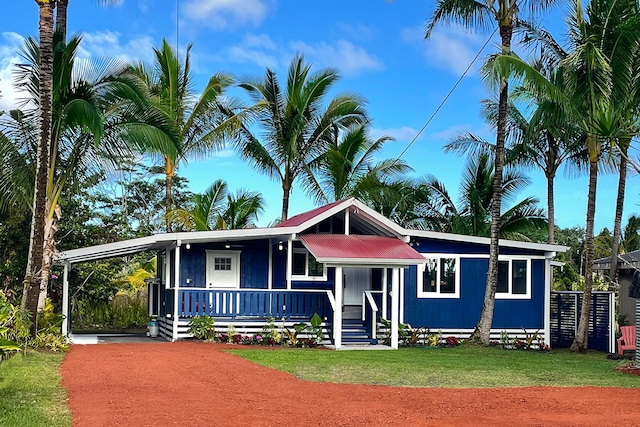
{"points": [[544, 247], [161, 241]]}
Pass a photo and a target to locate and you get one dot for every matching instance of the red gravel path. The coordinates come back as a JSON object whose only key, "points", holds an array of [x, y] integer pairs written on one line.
{"points": [[196, 384]]}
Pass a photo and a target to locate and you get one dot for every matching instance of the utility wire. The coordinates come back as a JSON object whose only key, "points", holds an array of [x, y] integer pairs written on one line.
{"points": [[455, 86]]}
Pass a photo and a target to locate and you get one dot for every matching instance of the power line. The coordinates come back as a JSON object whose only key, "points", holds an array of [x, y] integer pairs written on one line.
{"points": [[475, 58]]}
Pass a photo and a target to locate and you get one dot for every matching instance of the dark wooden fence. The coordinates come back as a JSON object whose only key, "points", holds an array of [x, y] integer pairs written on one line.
{"points": [[565, 314]]}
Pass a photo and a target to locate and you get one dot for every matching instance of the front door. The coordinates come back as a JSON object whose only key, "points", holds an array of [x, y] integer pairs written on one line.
{"points": [[356, 281], [223, 269]]}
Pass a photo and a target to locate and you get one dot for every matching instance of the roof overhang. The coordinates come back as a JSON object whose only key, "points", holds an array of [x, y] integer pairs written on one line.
{"points": [[340, 249], [162, 241], [543, 247]]}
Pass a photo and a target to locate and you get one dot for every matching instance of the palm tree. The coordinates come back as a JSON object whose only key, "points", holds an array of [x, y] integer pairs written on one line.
{"points": [[587, 97], [86, 135], [474, 13], [199, 127], [61, 15], [297, 128], [472, 214], [34, 274], [347, 169], [219, 209], [545, 140]]}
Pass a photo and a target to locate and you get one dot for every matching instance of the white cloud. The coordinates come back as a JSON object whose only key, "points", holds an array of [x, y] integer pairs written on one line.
{"points": [[343, 55], [109, 44], [400, 134], [450, 48], [258, 49], [445, 135], [223, 154], [9, 45], [222, 14], [356, 31]]}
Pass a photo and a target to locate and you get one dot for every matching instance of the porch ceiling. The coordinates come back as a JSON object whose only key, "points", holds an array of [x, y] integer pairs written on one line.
{"points": [[352, 249]]}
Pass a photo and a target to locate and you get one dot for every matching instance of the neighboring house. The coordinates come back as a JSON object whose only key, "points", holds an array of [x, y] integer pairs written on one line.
{"points": [[627, 264], [345, 262]]}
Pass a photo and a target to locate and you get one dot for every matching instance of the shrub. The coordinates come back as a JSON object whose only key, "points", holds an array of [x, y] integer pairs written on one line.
{"points": [[201, 327]]}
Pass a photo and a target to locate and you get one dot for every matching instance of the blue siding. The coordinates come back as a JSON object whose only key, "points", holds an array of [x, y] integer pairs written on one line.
{"points": [[451, 247], [279, 268], [464, 312], [328, 285], [254, 263]]}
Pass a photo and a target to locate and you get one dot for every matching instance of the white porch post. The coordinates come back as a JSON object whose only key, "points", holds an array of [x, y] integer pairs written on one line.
{"points": [[385, 293], [337, 314], [65, 300], [176, 290], [401, 272], [270, 269], [547, 297], [395, 306], [289, 262]]}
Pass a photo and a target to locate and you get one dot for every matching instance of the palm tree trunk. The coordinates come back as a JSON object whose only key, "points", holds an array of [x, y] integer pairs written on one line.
{"points": [[61, 18], [482, 331], [50, 228], [32, 280], [580, 342], [551, 207], [286, 191], [168, 183], [615, 244]]}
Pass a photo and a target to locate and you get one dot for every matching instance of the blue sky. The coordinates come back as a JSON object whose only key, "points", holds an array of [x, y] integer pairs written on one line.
{"points": [[376, 45]]}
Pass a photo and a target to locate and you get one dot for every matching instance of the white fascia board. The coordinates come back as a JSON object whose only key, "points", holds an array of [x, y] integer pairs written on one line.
{"points": [[218, 235], [381, 219], [370, 262], [108, 249], [322, 216], [463, 238]]}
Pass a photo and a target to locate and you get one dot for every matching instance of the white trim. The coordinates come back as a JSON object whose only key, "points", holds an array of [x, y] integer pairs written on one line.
{"points": [[484, 240], [176, 287], [65, 300], [347, 221], [612, 323], [211, 253], [337, 313], [395, 307], [401, 301], [289, 262], [270, 268], [437, 294], [385, 293], [547, 301], [167, 268], [306, 277], [509, 294]]}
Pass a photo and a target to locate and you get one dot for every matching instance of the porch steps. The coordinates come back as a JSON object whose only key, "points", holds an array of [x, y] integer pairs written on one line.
{"points": [[355, 332]]}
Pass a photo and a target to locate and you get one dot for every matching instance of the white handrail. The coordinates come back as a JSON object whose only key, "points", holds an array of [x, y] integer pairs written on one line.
{"points": [[367, 296], [332, 300]]}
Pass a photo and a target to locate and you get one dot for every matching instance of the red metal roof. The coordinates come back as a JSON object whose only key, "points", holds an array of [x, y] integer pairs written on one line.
{"points": [[360, 249], [306, 216]]}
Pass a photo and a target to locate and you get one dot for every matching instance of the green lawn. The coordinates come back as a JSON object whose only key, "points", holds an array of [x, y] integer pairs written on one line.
{"points": [[448, 367], [30, 391]]}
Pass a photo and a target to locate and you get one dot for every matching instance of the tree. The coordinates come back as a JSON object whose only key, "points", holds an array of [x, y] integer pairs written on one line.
{"points": [[472, 215], [588, 67], [219, 209], [473, 13], [199, 126], [297, 128], [34, 274], [347, 168]]}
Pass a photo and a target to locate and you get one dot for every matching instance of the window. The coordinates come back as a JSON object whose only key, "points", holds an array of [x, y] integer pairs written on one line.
{"points": [[304, 265], [439, 277], [514, 279], [222, 264]]}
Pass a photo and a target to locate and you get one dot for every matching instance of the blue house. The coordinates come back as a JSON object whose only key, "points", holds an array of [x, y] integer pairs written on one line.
{"points": [[345, 262]]}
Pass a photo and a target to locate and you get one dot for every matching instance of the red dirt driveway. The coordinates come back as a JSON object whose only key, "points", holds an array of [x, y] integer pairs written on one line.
{"points": [[197, 384]]}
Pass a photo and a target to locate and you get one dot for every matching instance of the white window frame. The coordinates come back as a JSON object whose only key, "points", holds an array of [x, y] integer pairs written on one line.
{"points": [[211, 255], [420, 272], [305, 276], [509, 294]]}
